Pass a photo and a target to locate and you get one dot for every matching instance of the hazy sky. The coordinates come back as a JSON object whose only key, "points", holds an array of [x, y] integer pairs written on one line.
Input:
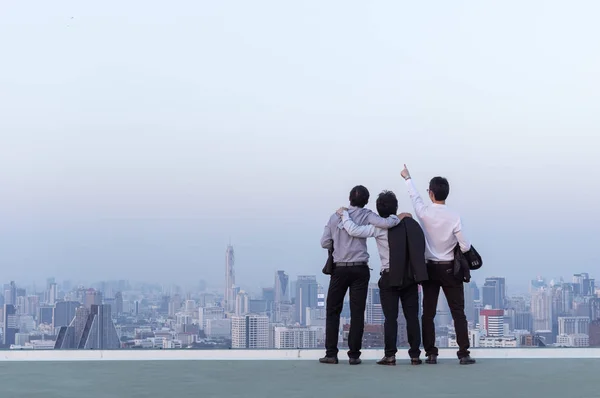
{"points": [[138, 137]]}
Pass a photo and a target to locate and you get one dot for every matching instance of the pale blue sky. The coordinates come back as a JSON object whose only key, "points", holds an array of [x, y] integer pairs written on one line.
{"points": [[137, 137]]}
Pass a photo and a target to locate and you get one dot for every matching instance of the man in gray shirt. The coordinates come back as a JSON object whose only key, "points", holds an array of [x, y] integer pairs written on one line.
{"points": [[351, 272]]}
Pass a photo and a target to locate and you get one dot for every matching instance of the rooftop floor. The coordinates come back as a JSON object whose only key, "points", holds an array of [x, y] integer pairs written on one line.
{"points": [[548, 373], [492, 378]]}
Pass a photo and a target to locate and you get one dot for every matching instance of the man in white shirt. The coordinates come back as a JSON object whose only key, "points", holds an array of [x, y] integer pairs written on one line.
{"points": [[387, 206], [443, 231]]}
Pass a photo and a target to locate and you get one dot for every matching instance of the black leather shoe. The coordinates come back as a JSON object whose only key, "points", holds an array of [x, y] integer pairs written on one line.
{"points": [[329, 360], [415, 361], [355, 361], [467, 360], [390, 361], [431, 359]]}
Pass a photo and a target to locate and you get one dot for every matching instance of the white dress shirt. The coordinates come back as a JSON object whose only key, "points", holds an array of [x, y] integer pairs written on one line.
{"points": [[371, 231], [441, 225]]}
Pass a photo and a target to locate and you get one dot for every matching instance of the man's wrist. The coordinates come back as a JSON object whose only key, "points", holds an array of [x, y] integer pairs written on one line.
{"points": [[406, 178]]}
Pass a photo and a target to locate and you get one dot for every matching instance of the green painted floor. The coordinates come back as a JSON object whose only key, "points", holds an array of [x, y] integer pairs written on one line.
{"points": [[290, 379]]}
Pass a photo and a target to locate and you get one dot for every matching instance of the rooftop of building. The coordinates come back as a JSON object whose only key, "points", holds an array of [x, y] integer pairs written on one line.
{"points": [[551, 372]]}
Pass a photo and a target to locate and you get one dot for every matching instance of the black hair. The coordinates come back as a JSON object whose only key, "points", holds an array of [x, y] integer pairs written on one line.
{"points": [[440, 188], [387, 204], [359, 196]]}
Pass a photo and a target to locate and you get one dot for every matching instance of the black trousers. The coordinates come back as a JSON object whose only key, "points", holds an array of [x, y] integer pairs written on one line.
{"points": [[357, 280], [409, 296], [442, 277]]}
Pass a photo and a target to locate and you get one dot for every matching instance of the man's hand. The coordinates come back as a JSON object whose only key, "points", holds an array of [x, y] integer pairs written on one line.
{"points": [[405, 173], [402, 215], [341, 211]]}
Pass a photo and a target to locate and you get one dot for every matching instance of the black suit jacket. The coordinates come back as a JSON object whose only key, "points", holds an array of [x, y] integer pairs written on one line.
{"points": [[407, 253]]}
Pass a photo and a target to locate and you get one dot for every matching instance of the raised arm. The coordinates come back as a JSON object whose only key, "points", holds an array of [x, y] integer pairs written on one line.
{"points": [[357, 231], [463, 242], [417, 202]]}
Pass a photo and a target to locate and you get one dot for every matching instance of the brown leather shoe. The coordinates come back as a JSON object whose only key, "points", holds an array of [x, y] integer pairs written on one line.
{"points": [[416, 361], [431, 359], [355, 361], [329, 360], [389, 361]]}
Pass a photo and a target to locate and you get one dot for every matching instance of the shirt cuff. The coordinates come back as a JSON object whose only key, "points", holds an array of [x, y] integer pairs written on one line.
{"points": [[345, 215]]}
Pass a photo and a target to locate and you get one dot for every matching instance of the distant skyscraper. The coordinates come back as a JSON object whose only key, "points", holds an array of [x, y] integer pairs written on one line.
{"points": [[573, 325], [64, 313], [494, 293], [374, 311], [282, 293], [92, 297], [541, 310], [250, 331], [492, 321], [98, 332], [10, 325], [306, 296], [242, 303], [10, 294], [294, 337], [229, 299], [52, 294], [119, 302]]}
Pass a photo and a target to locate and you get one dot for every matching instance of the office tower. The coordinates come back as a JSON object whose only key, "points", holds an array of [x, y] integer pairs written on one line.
{"points": [[374, 311], [320, 297], [46, 312], [90, 329], [250, 331], [207, 313], [242, 303], [541, 310], [306, 296], [10, 325], [119, 303], [229, 298], [282, 293], [92, 297], [64, 313], [494, 293], [573, 325], [523, 321], [469, 289], [10, 294], [52, 294], [295, 337], [492, 321]]}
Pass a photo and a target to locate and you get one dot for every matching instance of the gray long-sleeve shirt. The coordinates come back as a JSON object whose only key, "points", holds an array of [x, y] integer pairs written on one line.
{"points": [[345, 247]]}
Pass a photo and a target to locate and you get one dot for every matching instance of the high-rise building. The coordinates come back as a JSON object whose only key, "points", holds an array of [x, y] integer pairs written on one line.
{"points": [[295, 337], [374, 311], [92, 297], [250, 331], [573, 325], [229, 298], [10, 325], [52, 294], [242, 303], [494, 293], [98, 331], [10, 294], [207, 313], [492, 321], [541, 310], [282, 293], [64, 313], [306, 296]]}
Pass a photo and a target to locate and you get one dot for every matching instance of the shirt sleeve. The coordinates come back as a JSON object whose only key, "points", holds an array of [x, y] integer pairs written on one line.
{"points": [[383, 223], [463, 242], [417, 202], [357, 231], [326, 239]]}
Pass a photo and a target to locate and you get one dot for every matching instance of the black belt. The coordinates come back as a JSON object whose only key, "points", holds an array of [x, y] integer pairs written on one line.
{"points": [[440, 262], [355, 264]]}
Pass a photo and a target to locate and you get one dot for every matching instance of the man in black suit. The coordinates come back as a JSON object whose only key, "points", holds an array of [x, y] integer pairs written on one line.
{"points": [[401, 250]]}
